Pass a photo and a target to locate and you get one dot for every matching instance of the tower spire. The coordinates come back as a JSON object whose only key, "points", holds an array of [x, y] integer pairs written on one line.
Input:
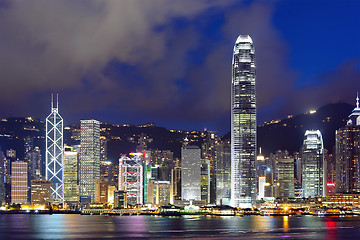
{"points": [[357, 100], [52, 101], [57, 101]]}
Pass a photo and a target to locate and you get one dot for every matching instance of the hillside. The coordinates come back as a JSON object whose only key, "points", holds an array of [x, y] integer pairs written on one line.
{"points": [[289, 133]]}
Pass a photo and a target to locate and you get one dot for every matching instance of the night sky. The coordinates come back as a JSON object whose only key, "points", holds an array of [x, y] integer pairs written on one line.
{"points": [[169, 62]]}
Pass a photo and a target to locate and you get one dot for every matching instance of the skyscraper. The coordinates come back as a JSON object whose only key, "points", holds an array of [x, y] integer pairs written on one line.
{"points": [[131, 178], [243, 123], [223, 172], [71, 187], [2, 178], [40, 192], [19, 182], [205, 180], [286, 177], [313, 166], [348, 154], [191, 173], [89, 158], [54, 160]]}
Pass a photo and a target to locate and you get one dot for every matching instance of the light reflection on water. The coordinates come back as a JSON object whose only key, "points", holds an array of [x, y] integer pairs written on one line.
{"points": [[22, 226]]}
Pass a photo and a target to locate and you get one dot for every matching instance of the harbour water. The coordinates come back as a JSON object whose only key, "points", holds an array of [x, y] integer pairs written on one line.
{"points": [[57, 226]]}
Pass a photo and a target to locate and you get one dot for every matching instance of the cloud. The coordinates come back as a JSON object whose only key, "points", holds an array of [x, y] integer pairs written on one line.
{"points": [[52, 45], [340, 84], [153, 59]]}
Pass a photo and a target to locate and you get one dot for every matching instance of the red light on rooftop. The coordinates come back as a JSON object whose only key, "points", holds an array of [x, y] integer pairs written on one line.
{"points": [[330, 184]]}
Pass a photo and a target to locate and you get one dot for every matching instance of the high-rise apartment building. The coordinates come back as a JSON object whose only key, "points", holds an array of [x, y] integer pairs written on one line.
{"points": [[243, 123], [89, 158], [313, 165], [19, 182], [54, 158], [71, 186], [191, 173], [348, 154]]}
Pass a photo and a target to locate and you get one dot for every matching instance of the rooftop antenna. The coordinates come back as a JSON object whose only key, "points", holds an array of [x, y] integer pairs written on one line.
{"points": [[52, 101], [357, 100], [57, 101]]}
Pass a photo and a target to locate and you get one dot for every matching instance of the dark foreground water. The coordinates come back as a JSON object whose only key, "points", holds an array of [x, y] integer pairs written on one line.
{"points": [[23, 226]]}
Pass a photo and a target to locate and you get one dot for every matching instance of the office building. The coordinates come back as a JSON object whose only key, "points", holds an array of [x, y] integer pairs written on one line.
{"points": [[71, 186], [175, 193], [54, 158], [223, 172], [348, 154], [205, 181], [191, 173], [36, 163], [120, 199], [19, 182], [131, 178], [286, 177], [313, 165], [208, 152], [89, 158], [101, 191], [2, 178], [243, 123], [159, 192], [103, 148], [40, 192], [261, 173]]}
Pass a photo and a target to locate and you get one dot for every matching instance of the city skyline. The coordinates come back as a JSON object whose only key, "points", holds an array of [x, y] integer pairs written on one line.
{"points": [[177, 77]]}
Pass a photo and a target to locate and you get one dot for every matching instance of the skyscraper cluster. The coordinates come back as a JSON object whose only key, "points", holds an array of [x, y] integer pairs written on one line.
{"points": [[206, 170]]}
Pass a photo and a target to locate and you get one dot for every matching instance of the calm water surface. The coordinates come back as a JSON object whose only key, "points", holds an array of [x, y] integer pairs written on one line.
{"points": [[23, 226]]}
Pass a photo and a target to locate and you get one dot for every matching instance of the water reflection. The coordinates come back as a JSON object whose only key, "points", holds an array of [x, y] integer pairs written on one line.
{"points": [[248, 227], [285, 223], [331, 229]]}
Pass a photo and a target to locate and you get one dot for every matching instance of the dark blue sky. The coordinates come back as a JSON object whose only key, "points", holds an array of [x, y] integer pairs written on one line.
{"points": [[169, 62]]}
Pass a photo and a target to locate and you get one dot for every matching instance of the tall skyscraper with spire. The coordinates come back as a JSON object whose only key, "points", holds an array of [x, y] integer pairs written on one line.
{"points": [[243, 123], [348, 154], [54, 160]]}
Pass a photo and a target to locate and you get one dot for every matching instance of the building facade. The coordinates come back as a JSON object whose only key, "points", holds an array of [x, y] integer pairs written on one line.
{"points": [[19, 182], [2, 178], [191, 173], [54, 158], [243, 123], [131, 178], [71, 186], [286, 178], [89, 158], [313, 165], [40, 192], [348, 154], [205, 180], [159, 192], [223, 172], [101, 191]]}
